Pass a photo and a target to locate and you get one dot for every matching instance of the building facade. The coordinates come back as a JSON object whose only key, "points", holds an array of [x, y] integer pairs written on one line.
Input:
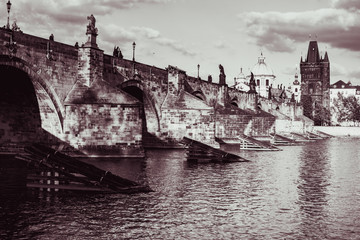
{"points": [[241, 83], [346, 90], [315, 83], [296, 89], [264, 77]]}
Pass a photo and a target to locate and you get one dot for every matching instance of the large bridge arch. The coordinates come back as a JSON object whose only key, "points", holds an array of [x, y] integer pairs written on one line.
{"points": [[49, 107], [151, 113]]}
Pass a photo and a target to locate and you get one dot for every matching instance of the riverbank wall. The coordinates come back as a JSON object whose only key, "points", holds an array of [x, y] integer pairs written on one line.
{"points": [[339, 131]]}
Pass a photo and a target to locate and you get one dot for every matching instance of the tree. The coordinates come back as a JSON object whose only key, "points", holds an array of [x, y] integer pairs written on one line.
{"points": [[346, 108], [315, 111], [321, 115], [307, 105]]}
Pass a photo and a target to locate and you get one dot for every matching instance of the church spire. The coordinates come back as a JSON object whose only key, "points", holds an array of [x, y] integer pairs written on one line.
{"points": [[326, 58]]}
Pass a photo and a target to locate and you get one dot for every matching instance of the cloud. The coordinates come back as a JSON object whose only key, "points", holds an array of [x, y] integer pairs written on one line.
{"points": [[355, 75], [175, 46], [73, 12], [113, 34], [279, 31], [67, 20], [338, 70], [147, 32], [220, 44], [352, 5], [154, 35], [290, 69]]}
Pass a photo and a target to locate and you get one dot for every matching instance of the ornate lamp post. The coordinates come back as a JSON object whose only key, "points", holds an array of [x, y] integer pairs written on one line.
{"points": [[134, 44], [8, 5]]}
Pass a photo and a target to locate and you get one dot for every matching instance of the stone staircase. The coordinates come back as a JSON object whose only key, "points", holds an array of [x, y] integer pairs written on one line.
{"points": [[279, 140], [250, 143]]}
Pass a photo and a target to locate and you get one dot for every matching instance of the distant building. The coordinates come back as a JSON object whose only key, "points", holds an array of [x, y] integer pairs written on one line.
{"points": [[241, 83], [347, 90], [263, 75], [315, 82]]}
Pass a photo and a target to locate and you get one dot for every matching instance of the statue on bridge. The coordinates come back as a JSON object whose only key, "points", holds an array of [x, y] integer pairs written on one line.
{"points": [[221, 68], [252, 84], [117, 53], [91, 29], [222, 76]]}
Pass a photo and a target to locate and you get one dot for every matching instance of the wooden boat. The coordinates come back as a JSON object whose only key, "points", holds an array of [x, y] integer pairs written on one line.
{"points": [[53, 170], [202, 153]]}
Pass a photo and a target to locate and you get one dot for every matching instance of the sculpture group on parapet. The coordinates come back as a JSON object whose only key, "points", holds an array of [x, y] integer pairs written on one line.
{"points": [[91, 29], [117, 53], [15, 27]]}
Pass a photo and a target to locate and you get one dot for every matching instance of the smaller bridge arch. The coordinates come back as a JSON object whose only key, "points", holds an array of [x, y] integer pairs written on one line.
{"points": [[151, 113], [234, 101]]}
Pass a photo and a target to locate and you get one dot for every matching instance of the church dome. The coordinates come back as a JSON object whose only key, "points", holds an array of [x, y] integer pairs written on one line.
{"points": [[261, 68]]}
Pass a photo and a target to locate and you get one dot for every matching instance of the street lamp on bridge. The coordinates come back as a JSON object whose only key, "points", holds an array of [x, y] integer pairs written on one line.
{"points": [[134, 44], [8, 5], [198, 66]]}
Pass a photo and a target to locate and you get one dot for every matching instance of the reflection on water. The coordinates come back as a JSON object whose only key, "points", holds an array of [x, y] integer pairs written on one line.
{"points": [[315, 177], [303, 192]]}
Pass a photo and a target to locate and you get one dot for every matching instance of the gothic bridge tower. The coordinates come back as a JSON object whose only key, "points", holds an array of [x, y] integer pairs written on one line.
{"points": [[315, 82]]}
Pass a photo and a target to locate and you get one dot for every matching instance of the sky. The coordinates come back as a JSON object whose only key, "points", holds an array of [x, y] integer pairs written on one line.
{"points": [[185, 33]]}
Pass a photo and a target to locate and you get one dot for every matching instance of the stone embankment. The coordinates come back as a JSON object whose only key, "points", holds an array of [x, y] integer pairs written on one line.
{"points": [[339, 131]]}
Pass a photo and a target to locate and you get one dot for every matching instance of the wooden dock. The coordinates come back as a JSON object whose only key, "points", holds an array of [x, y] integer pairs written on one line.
{"points": [[202, 153], [54, 171]]}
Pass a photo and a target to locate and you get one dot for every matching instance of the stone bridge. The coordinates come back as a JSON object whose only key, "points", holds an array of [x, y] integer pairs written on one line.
{"points": [[97, 104]]}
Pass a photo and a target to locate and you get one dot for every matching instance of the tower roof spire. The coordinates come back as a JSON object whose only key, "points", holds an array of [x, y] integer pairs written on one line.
{"points": [[313, 52], [326, 58]]}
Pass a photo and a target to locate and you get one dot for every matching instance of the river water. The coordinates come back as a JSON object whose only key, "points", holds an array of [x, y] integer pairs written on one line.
{"points": [[310, 191]]}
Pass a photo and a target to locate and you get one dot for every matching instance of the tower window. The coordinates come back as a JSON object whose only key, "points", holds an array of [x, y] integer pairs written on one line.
{"points": [[296, 89]]}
